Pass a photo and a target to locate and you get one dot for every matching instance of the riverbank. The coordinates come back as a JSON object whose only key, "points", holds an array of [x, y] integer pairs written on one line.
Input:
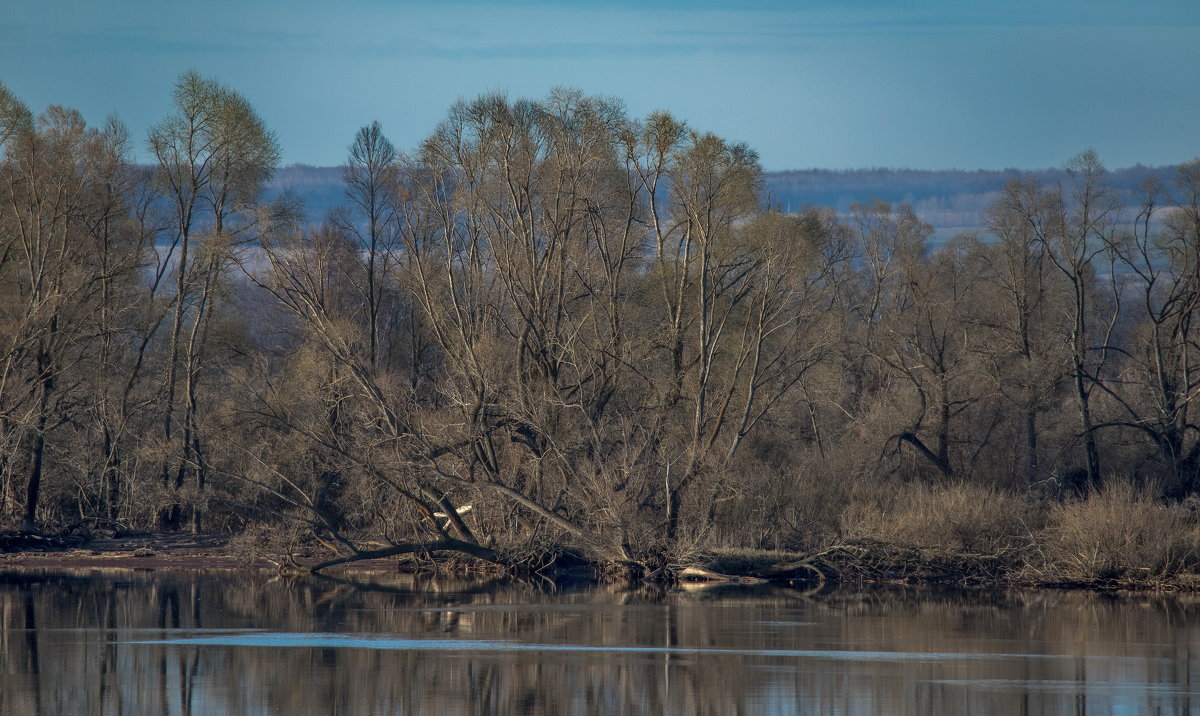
{"points": [[146, 550], [853, 565], [870, 564], [139, 551]]}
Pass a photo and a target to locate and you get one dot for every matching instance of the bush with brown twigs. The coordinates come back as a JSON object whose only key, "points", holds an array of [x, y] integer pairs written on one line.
{"points": [[1118, 532], [954, 517]]}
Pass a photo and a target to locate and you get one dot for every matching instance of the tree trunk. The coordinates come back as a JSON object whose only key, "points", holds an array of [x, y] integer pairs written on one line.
{"points": [[37, 451], [1031, 446]]}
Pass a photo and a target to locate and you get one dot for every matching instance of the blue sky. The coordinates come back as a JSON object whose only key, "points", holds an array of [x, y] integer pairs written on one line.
{"points": [[931, 84]]}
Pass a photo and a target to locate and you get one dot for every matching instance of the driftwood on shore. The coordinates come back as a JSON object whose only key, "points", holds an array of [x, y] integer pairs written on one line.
{"points": [[696, 574]]}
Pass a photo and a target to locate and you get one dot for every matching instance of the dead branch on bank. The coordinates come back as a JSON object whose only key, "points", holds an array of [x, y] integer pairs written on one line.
{"points": [[446, 544]]}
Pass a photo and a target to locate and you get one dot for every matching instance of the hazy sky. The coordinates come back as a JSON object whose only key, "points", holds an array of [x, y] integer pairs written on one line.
{"points": [[808, 83]]}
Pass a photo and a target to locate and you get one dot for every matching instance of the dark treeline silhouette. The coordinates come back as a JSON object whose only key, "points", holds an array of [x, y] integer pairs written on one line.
{"points": [[552, 326]]}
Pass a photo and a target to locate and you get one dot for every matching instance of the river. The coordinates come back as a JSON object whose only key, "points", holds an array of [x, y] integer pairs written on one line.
{"points": [[179, 642]]}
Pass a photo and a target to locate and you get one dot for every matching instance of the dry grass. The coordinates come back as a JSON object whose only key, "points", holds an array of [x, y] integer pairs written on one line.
{"points": [[813, 515], [1120, 532], [956, 517]]}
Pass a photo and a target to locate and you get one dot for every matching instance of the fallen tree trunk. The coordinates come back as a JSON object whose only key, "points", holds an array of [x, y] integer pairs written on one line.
{"points": [[696, 574], [447, 544]]}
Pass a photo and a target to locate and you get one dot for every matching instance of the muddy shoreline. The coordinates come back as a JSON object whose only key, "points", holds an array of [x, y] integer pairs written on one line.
{"points": [[147, 551]]}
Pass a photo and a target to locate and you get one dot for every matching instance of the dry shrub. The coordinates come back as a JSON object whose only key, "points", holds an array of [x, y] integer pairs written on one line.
{"points": [[274, 541], [957, 517], [816, 503], [1119, 531]]}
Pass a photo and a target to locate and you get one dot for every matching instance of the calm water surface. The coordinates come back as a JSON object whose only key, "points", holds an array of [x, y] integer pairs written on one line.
{"points": [[195, 643]]}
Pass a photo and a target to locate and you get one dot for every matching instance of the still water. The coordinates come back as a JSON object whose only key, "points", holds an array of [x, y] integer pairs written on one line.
{"points": [[230, 643]]}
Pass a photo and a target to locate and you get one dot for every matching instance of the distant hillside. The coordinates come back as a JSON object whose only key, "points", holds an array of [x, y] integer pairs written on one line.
{"points": [[320, 188], [950, 200], [947, 199]]}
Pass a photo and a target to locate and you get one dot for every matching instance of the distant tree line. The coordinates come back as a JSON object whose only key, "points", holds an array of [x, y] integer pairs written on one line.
{"points": [[839, 188], [951, 200], [555, 326]]}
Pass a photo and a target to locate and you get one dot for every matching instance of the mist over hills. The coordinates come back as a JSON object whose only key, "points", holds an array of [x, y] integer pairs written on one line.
{"points": [[951, 200]]}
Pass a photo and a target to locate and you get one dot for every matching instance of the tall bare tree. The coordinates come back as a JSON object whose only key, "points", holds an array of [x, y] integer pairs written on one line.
{"points": [[214, 155], [1160, 255], [1019, 300], [54, 179], [372, 180], [1075, 222]]}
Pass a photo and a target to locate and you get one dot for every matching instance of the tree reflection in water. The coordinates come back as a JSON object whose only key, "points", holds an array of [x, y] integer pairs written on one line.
{"points": [[195, 643]]}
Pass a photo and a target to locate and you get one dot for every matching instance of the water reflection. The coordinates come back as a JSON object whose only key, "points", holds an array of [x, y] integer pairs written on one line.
{"points": [[194, 643]]}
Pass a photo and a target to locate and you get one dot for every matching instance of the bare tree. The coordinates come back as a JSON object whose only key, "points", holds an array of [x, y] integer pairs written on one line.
{"points": [[931, 349], [1075, 223], [15, 118], [1018, 306], [51, 177], [1160, 254], [371, 175], [213, 155]]}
